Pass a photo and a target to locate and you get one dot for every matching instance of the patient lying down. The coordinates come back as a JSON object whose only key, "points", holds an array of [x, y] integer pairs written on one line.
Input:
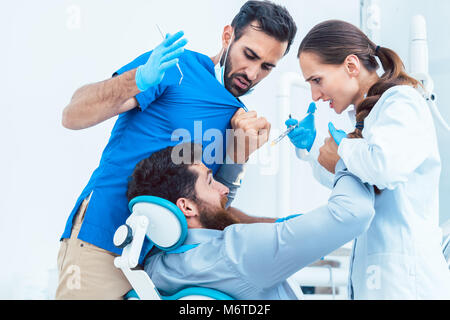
{"points": [[243, 256]]}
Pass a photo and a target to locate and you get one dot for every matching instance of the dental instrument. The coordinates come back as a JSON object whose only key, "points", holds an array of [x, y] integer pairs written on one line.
{"points": [[284, 134], [163, 57], [178, 66]]}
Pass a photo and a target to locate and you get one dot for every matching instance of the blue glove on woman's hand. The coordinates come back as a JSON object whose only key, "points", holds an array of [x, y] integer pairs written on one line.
{"points": [[162, 58], [337, 135], [304, 134]]}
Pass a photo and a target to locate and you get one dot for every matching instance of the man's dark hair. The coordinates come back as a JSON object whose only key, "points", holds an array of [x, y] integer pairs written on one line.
{"points": [[273, 20], [159, 175]]}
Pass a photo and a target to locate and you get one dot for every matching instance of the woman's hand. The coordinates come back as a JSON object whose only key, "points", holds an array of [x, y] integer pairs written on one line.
{"points": [[304, 134], [328, 156]]}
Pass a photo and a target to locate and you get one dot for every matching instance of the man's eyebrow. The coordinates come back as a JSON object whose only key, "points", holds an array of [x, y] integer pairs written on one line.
{"points": [[253, 53], [258, 57]]}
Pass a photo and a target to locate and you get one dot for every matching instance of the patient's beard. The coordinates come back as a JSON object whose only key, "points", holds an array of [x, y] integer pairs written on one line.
{"points": [[212, 217]]}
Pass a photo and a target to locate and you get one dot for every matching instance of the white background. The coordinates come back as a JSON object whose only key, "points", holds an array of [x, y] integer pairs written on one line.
{"points": [[51, 48]]}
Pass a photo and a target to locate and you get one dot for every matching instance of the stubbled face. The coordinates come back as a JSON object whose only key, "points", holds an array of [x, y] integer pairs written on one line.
{"points": [[251, 59], [330, 83]]}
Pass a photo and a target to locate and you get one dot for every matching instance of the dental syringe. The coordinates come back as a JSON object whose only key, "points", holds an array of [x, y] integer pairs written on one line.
{"points": [[178, 66], [284, 134]]}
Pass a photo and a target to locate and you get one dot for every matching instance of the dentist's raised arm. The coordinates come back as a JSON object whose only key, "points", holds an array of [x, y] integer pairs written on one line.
{"points": [[97, 102]]}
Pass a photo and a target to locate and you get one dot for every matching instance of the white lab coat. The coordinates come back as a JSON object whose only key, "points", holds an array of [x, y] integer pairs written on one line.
{"points": [[400, 255]]}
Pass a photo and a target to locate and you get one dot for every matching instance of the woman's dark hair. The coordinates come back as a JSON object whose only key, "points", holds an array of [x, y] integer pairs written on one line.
{"points": [[334, 40], [163, 175], [273, 20]]}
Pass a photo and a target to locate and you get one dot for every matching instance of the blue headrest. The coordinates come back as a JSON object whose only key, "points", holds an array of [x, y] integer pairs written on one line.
{"points": [[167, 228]]}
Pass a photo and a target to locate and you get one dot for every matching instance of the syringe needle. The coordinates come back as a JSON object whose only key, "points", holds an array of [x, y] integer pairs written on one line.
{"points": [[284, 134]]}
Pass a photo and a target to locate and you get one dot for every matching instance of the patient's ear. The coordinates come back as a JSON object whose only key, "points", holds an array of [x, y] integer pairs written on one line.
{"points": [[187, 206], [190, 211]]}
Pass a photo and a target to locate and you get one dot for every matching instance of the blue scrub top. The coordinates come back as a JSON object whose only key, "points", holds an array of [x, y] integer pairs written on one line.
{"points": [[141, 131]]}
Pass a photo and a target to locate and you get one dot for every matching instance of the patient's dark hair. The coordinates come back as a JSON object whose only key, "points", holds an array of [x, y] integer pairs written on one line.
{"points": [[273, 20], [163, 175]]}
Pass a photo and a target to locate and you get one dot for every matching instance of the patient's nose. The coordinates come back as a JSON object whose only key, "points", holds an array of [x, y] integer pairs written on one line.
{"points": [[224, 191]]}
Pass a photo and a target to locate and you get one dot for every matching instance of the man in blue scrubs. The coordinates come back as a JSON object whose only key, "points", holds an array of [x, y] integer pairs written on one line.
{"points": [[156, 110]]}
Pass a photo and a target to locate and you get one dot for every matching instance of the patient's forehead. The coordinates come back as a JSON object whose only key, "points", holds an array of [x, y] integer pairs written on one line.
{"points": [[199, 167]]}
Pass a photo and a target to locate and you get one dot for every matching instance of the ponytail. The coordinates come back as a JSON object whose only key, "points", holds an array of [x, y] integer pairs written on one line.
{"points": [[394, 75]]}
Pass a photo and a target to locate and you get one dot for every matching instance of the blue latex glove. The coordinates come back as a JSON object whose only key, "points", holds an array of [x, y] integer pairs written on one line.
{"points": [[337, 135], [288, 217], [162, 58], [305, 132]]}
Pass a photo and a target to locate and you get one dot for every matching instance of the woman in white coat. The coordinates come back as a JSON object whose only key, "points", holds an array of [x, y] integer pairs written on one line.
{"points": [[394, 148]]}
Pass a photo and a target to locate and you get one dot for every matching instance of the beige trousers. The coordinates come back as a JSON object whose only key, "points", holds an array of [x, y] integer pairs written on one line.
{"points": [[87, 271]]}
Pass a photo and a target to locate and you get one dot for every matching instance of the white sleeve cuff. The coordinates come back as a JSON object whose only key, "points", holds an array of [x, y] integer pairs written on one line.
{"points": [[313, 154]]}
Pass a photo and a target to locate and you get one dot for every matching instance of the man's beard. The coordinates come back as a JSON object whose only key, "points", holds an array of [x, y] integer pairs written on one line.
{"points": [[228, 80], [212, 217]]}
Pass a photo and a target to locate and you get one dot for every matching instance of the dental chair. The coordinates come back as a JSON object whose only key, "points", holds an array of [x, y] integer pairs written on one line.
{"points": [[163, 223]]}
